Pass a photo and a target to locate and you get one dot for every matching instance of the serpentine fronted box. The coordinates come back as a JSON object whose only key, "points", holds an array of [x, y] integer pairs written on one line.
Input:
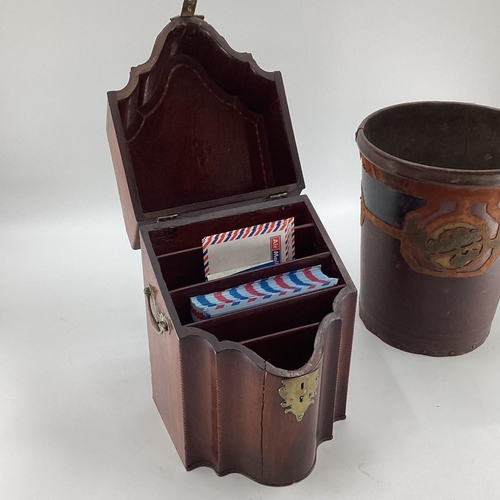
{"points": [[202, 143]]}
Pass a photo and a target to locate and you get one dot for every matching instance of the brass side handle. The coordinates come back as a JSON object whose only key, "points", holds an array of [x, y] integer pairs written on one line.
{"points": [[158, 319]]}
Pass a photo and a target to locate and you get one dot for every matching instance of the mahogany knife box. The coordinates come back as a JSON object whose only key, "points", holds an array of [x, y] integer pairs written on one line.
{"points": [[202, 142]]}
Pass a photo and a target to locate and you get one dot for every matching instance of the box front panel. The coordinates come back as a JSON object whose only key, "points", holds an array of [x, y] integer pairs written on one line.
{"points": [[223, 409]]}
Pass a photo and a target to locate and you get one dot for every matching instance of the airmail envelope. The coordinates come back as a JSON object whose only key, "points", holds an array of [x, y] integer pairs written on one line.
{"points": [[260, 292], [243, 249]]}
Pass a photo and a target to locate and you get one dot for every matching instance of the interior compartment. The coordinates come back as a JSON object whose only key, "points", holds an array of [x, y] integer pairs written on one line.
{"points": [[271, 318], [173, 238], [185, 267], [281, 332], [289, 349], [181, 296]]}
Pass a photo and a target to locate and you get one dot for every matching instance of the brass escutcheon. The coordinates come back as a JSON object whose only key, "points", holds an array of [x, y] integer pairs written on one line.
{"points": [[298, 393]]}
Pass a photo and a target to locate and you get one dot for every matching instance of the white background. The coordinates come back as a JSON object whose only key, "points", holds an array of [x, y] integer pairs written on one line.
{"points": [[76, 416]]}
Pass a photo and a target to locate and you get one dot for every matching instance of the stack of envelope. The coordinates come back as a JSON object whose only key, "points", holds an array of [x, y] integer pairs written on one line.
{"points": [[260, 292]]}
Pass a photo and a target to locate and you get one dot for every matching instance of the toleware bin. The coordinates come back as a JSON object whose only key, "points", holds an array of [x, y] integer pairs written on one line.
{"points": [[430, 225]]}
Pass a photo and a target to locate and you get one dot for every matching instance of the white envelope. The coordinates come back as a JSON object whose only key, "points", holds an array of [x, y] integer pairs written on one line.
{"points": [[242, 249]]}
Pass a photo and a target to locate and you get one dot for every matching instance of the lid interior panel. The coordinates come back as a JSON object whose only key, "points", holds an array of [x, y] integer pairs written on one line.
{"points": [[201, 123]]}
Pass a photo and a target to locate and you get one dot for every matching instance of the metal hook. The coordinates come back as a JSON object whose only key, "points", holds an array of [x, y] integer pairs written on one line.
{"points": [[188, 8]]}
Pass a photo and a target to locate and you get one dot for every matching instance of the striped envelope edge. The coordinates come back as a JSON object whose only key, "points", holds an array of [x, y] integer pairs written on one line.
{"points": [[260, 292], [254, 246]]}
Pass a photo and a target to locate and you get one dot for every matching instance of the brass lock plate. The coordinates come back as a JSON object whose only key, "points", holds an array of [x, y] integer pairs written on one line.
{"points": [[298, 393]]}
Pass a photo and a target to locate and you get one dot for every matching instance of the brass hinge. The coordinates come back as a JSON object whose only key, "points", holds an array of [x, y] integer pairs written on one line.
{"points": [[163, 218], [298, 393], [278, 196]]}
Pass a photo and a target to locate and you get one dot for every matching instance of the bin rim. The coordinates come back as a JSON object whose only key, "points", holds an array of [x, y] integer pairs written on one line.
{"points": [[421, 171]]}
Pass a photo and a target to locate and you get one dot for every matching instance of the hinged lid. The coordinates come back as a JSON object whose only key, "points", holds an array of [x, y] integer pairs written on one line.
{"points": [[199, 126]]}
